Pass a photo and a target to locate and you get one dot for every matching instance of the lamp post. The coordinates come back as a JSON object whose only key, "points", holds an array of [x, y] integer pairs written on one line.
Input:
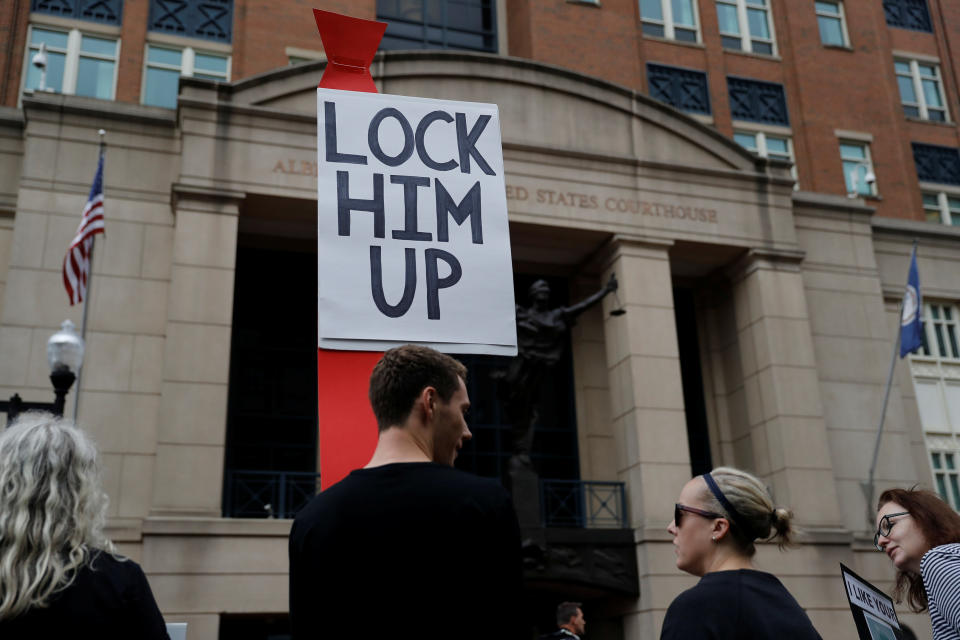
{"points": [[65, 356]]}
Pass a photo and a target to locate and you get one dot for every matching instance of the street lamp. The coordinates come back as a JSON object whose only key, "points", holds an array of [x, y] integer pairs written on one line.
{"points": [[65, 357]]}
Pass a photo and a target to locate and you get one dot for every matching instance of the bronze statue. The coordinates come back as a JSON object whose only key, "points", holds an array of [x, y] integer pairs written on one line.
{"points": [[541, 334]]}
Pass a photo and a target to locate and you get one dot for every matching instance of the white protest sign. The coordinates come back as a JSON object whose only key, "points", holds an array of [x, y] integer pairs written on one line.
{"points": [[413, 244], [867, 598]]}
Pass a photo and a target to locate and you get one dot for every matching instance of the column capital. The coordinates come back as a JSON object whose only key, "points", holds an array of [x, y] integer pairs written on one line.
{"points": [[639, 246], [208, 199], [755, 259]]}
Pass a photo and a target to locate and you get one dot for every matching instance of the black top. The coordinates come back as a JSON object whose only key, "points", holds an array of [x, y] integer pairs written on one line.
{"points": [[109, 599], [737, 605], [416, 548]]}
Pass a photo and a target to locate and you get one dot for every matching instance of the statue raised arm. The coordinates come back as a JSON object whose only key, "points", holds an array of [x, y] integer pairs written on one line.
{"points": [[541, 337]]}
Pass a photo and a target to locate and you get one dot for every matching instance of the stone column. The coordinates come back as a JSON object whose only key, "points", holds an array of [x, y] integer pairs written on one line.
{"points": [[196, 358], [785, 440], [649, 424]]}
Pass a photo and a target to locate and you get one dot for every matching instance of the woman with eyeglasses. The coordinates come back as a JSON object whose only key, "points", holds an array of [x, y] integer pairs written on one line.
{"points": [[716, 521], [920, 533]]}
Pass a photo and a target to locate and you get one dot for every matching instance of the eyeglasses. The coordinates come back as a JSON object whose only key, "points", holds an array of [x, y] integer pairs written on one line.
{"points": [[886, 527], [678, 510]]}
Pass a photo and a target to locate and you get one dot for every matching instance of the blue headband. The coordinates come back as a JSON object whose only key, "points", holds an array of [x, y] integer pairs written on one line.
{"points": [[734, 514]]}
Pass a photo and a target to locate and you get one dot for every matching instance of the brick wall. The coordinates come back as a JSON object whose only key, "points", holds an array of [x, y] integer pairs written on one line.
{"points": [[827, 88]]}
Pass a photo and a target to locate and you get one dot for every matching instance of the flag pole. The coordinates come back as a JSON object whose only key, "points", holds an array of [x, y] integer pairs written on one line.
{"points": [[868, 486], [83, 323]]}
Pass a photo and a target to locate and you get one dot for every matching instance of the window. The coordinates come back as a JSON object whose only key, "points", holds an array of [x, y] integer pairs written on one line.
{"points": [[165, 65], [936, 164], [767, 145], [936, 379], [908, 14], [945, 476], [857, 166], [757, 101], [673, 19], [204, 19], [684, 89], [833, 31], [745, 25], [104, 11], [920, 90], [439, 24], [942, 208], [77, 63], [940, 331]]}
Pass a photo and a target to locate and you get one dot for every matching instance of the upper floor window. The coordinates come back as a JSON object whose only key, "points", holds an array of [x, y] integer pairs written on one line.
{"points": [[936, 381], [936, 164], [684, 89], [204, 19], [940, 331], [942, 207], [920, 90], [165, 65], [745, 25], [439, 24], [858, 168], [673, 19], [104, 11], [946, 474], [77, 63], [908, 14], [833, 29], [766, 145], [757, 101]]}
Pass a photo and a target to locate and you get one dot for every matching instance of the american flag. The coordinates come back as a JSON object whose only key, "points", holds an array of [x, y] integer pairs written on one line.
{"points": [[76, 264]]}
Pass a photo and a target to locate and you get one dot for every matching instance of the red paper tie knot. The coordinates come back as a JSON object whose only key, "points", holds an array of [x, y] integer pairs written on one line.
{"points": [[350, 44]]}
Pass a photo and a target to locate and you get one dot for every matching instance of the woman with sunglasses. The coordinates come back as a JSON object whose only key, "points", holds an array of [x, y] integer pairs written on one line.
{"points": [[920, 533], [716, 521]]}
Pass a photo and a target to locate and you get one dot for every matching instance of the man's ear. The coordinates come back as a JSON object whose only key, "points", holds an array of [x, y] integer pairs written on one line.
{"points": [[427, 402]]}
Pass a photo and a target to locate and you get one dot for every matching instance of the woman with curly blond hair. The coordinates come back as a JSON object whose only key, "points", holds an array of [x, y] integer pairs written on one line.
{"points": [[59, 574]]}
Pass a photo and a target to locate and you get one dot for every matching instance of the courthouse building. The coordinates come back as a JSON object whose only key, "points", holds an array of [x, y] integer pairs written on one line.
{"points": [[755, 173]]}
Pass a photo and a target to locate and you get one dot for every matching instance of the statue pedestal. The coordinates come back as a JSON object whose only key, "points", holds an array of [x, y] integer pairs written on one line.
{"points": [[525, 489]]}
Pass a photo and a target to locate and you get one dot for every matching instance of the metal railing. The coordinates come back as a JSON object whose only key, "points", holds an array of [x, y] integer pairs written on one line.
{"points": [[582, 504], [268, 494]]}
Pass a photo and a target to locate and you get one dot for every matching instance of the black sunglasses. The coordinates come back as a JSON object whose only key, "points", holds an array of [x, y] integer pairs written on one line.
{"points": [[886, 527], [678, 510]]}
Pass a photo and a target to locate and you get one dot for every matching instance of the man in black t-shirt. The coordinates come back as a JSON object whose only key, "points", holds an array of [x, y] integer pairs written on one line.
{"points": [[408, 545]]}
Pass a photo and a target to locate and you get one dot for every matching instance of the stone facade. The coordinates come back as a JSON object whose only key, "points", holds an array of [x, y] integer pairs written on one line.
{"points": [[795, 294]]}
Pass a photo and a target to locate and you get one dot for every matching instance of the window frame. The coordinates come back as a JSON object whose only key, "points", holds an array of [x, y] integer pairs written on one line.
{"points": [[762, 150], [426, 26], [947, 215], [841, 16], [941, 446], [867, 161], [668, 24], [743, 23], [187, 68], [72, 56], [917, 81]]}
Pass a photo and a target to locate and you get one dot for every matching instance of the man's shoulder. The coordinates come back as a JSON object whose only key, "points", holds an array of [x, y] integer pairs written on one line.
{"points": [[404, 481]]}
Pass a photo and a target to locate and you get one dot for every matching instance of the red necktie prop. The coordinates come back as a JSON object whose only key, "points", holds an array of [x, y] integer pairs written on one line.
{"points": [[348, 430]]}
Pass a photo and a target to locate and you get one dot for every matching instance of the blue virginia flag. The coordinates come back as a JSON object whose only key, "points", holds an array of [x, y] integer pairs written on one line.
{"points": [[911, 326]]}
